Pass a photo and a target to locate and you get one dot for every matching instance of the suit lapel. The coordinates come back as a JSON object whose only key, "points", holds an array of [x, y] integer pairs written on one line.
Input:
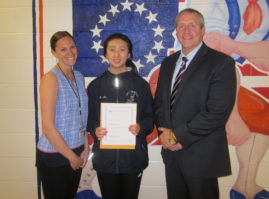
{"points": [[170, 70], [195, 64]]}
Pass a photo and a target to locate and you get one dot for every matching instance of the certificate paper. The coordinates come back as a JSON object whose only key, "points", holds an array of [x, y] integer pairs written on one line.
{"points": [[116, 118]]}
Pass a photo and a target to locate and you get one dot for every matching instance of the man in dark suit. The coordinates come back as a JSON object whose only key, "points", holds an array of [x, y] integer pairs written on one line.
{"points": [[191, 115]]}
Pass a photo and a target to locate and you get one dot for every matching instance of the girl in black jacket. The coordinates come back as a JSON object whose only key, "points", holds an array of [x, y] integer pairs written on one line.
{"points": [[119, 171]]}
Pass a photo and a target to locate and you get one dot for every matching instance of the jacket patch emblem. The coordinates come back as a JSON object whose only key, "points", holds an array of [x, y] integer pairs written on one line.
{"points": [[131, 96]]}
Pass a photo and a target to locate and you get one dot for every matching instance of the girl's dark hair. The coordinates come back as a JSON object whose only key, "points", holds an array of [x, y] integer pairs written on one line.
{"points": [[131, 64], [57, 36], [119, 36]]}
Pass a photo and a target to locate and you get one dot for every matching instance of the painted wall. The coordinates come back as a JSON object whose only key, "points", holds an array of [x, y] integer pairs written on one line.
{"points": [[17, 106]]}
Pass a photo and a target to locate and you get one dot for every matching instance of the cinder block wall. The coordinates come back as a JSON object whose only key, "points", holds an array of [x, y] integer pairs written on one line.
{"points": [[17, 135]]}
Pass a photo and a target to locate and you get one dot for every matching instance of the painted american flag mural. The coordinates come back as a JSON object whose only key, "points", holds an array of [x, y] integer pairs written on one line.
{"points": [[148, 24]]}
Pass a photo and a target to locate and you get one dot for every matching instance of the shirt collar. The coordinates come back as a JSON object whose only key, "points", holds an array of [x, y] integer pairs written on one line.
{"points": [[190, 55]]}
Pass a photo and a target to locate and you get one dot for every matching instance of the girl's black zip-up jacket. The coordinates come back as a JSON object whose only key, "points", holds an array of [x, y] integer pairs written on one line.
{"points": [[132, 89]]}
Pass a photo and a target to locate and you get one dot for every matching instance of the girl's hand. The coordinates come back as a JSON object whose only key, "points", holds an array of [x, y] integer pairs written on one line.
{"points": [[134, 129], [100, 132]]}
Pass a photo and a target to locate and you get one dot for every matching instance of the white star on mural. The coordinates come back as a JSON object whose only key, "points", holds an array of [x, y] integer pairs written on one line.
{"points": [[158, 31], [97, 45], [96, 31], [148, 16], [114, 9], [140, 8], [103, 19], [138, 64], [127, 5], [158, 46], [104, 59], [151, 17], [150, 57]]}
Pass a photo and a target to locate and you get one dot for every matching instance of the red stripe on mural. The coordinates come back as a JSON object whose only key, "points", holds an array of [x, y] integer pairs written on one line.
{"points": [[41, 49], [249, 70], [264, 91]]}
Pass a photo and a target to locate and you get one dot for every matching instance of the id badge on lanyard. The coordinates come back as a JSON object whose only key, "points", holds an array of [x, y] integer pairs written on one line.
{"points": [[82, 130]]}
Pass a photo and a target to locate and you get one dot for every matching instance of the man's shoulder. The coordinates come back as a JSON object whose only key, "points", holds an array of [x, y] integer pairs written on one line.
{"points": [[218, 55], [173, 57], [216, 59]]}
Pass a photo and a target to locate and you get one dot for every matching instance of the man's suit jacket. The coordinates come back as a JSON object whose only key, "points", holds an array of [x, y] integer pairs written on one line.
{"points": [[202, 106]]}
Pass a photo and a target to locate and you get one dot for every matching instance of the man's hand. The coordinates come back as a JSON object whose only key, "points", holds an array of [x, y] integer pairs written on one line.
{"points": [[164, 139], [176, 147]]}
